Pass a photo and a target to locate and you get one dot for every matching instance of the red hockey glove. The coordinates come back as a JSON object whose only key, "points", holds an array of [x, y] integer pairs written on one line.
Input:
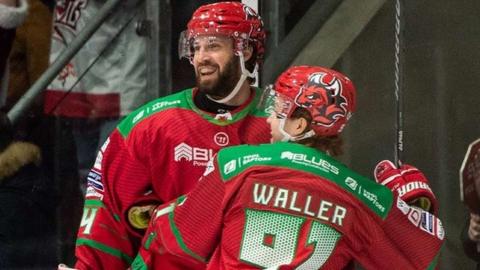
{"points": [[408, 182]]}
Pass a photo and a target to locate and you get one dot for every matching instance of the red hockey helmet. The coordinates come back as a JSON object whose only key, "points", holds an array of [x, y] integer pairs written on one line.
{"points": [[232, 19], [328, 95]]}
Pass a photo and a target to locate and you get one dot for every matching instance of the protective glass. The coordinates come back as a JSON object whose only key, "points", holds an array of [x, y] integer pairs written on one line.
{"points": [[188, 43], [276, 104]]}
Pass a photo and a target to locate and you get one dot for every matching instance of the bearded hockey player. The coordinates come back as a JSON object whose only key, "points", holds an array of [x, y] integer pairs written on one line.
{"points": [[158, 152], [289, 204]]}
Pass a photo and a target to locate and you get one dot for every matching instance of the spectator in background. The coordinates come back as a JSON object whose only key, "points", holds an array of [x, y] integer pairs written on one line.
{"points": [[12, 14], [27, 205], [470, 238], [105, 81], [29, 54]]}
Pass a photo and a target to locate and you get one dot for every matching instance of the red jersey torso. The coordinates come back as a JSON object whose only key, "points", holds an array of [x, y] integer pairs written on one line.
{"points": [[287, 206], [156, 154]]}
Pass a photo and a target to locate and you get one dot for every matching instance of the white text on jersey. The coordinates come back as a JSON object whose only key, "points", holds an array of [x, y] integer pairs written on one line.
{"points": [[298, 202]]}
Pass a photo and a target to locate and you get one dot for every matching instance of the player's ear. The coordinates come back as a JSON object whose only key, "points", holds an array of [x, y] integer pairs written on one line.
{"points": [[247, 53], [299, 126]]}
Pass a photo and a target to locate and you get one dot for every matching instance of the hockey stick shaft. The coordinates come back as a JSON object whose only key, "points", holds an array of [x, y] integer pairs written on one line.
{"points": [[398, 84]]}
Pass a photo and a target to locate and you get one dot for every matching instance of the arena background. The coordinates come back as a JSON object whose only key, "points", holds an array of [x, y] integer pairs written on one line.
{"points": [[440, 80]]}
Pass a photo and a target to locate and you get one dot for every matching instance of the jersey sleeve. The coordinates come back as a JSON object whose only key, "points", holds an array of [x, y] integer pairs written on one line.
{"points": [[410, 238], [184, 233], [105, 239]]}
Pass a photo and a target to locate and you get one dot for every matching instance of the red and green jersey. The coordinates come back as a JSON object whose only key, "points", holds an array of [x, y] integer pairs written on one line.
{"points": [[157, 153], [288, 206]]}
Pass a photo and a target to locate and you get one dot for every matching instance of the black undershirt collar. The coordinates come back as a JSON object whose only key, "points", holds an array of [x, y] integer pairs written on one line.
{"points": [[205, 104]]}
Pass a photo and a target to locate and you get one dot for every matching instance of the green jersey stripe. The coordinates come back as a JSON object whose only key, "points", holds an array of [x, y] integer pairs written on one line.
{"points": [[178, 236], [94, 203], [104, 248]]}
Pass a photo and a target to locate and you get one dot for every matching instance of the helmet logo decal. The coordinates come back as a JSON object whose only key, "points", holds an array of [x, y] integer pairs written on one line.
{"points": [[323, 94]]}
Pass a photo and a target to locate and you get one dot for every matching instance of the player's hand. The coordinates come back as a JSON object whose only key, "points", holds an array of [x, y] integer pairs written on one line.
{"points": [[408, 182], [474, 228]]}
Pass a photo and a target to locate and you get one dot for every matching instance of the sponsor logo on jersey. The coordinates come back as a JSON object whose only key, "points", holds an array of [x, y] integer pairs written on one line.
{"points": [[403, 206], [254, 158], [372, 198], [98, 160], [312, 161], [139, 116], [92, 193], [432, 225], [94, 180], [230, 166], [351, 183], [422, 219], [227, 116], [221, 139], [161, 104], [198, 156], [414, 215], [155, 107]]}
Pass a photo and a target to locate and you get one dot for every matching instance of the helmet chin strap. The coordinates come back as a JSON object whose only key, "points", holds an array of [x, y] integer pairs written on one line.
{"points": [[243, 77], [287, 137]]}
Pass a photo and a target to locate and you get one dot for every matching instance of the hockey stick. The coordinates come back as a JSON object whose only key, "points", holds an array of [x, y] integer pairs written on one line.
{"points": [[398, 85]]}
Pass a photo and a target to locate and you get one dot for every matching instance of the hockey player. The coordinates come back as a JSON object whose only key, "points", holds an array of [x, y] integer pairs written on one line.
{"points": [[289, 204], [159, 151]]}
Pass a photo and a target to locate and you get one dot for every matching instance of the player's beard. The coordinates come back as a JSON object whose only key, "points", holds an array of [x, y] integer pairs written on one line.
{"points": [[225, 81]]}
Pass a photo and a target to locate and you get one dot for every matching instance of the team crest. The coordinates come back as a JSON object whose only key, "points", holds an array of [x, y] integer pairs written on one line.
{"points": [[329, 103]]}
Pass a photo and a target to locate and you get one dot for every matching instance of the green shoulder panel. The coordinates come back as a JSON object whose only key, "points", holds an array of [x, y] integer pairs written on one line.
{"points": [[177, 100], [235, 160]]}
